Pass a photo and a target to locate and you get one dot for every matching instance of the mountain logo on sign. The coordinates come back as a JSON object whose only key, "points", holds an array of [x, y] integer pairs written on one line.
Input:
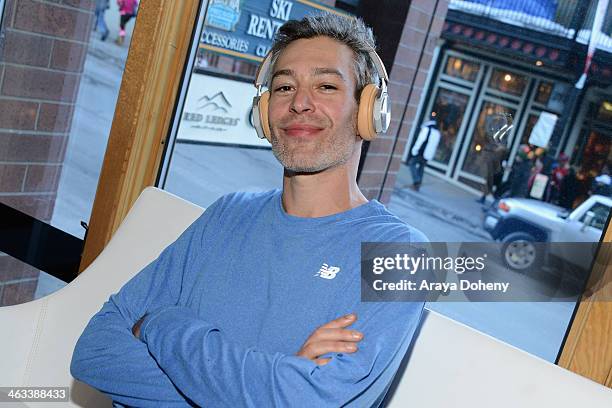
{"points": [[218, 102]]}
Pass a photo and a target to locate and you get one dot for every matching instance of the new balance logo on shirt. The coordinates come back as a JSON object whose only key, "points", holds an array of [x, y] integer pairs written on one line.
{"points": [[327, 272]]}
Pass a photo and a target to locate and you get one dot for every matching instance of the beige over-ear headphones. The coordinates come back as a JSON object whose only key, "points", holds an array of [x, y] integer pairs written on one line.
{"points": [[374, 113]]}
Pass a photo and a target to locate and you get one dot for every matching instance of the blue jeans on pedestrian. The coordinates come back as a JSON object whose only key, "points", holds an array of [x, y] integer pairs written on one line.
{"points": [[417, 168], [100, 25]]}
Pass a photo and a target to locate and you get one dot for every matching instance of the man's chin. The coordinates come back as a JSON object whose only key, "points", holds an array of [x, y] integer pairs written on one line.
{"points": [[302, 167], [292, 168], [299, 171]]}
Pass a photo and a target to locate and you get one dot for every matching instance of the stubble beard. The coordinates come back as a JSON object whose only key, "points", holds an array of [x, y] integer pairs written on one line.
{"points": [[312, 156]]}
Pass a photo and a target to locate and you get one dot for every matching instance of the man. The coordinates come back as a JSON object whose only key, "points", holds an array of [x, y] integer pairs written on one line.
{"points": [[495, 153], [252, 305], [423, 150], [521, 170]]}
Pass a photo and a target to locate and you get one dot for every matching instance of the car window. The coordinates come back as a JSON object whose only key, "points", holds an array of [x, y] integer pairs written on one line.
{"points": [[601, 212]]}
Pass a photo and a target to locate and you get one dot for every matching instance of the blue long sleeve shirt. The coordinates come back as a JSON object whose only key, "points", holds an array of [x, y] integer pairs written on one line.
{"points": [[232, 301]]}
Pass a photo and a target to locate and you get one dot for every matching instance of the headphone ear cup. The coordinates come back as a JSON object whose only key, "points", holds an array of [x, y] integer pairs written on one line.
{"points": [[263, 115], [365, 115]]}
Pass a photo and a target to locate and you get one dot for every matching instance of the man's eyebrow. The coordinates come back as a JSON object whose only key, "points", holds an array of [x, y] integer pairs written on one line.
{"points": [[316, 71], [288, 72], [328, 71]]}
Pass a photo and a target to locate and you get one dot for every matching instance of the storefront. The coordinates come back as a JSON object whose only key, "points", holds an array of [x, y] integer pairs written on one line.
{"points": [[468, 93], [507, 60], [590, 141]]}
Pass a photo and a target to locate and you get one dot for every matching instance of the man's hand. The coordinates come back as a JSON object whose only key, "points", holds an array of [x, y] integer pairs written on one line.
{"points": [[332, 337], [136, 327]]}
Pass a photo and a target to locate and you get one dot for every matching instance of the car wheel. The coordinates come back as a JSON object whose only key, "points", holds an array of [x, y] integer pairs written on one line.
{"points": [[519, 252]]}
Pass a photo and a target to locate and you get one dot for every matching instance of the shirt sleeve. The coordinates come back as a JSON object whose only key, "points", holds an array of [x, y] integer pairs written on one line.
{"points": [[108, 357], [212, 370]]}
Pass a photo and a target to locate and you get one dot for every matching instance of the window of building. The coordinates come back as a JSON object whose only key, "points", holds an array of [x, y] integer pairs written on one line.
{"points": [[531, 121], [508, 82], [462, 68], [596, 153], [545, 89], [448, 109], [61, 67], [605, 111], [488, 124]]}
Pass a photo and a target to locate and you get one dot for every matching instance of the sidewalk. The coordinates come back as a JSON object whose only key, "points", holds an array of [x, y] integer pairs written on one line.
{"points": [[440, 198], [91, 123]]}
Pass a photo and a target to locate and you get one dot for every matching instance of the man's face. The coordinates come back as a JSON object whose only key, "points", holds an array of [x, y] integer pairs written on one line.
{"points": [[313, 112]]}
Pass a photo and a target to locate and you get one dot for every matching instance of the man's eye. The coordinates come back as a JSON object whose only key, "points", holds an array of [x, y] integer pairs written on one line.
{"points": [[329, 87], [282, 88]]}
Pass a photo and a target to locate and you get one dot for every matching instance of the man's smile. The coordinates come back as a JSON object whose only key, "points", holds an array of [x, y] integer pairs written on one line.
{"points": [[301, 130]]}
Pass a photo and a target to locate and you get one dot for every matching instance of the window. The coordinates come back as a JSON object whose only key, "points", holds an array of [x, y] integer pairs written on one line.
{"points": [[462, 68], [492, 118], [544, 91], [605, 111], [448, 109], [600, 215], [508, 82], [61, 67]]}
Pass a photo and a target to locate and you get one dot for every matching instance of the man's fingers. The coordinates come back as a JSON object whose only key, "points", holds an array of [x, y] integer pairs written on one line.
{"points": [[341, 322], [322, 361], [332, 337], [314, 350], [323, 334]]}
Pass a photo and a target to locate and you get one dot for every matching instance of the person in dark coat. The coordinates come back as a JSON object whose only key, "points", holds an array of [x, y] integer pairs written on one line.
{"points": [[559, 171], [521, 170], [569, 188], [494, 155]]}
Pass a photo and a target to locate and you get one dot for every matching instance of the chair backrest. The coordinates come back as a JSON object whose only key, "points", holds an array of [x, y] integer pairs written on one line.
{"points": [[38, 337], [452, 365]]}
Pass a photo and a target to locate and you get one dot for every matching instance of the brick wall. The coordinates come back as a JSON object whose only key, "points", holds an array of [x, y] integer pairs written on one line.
{"points": [[42, 51], [408, 73]]}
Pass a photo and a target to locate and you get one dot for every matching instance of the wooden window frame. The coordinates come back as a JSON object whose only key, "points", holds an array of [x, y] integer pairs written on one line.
{"points": [[587, 349]]}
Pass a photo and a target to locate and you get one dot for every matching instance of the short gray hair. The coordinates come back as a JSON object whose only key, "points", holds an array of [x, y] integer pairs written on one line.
{"points": [[350, 31]]}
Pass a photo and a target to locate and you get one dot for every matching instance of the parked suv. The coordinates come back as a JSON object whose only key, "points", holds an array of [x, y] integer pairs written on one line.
{"points": [[521, 223]]}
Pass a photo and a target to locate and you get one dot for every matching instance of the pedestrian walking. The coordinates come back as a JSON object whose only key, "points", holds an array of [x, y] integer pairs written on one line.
{"points": [[521, 170], [494, 155], [560, 170], [127, 10], [423, 150], [569, 189], [100, 25]]}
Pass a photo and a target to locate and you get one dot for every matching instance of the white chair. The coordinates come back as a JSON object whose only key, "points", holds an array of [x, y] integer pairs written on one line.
{"points": [[449, 365], [38, 337]]}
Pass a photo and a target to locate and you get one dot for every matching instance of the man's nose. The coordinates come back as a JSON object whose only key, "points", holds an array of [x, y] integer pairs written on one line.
{"points": [[302, 101]]}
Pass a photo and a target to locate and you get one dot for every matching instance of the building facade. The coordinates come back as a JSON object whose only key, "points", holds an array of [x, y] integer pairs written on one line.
{"points": [[519, 60]]}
